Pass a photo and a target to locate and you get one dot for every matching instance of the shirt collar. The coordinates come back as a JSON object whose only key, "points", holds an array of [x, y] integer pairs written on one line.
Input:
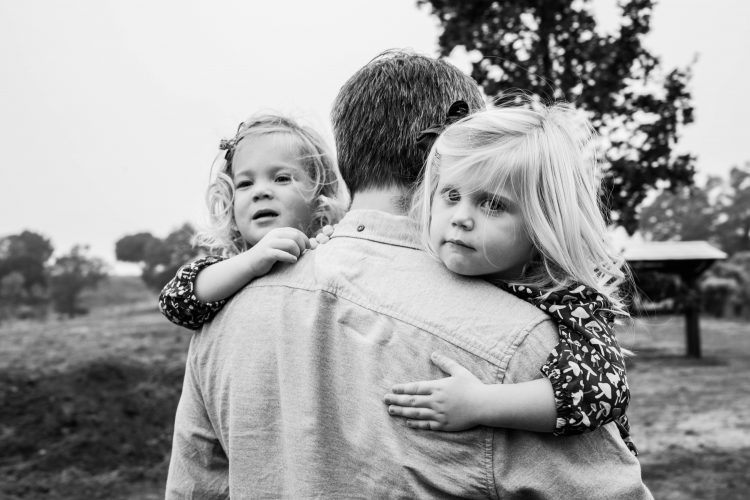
{"points": [[382, 227]]}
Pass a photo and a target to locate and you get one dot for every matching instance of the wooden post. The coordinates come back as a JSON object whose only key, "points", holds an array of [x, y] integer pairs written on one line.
{"points": [[692, 316]]}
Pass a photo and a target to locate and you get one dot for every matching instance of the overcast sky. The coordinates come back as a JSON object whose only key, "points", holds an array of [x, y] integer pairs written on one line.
{"points": [[111, 111]]}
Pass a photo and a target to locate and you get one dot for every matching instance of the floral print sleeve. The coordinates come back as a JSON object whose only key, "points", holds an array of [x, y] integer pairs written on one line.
{"points": [[178, 302], [586, 368]]}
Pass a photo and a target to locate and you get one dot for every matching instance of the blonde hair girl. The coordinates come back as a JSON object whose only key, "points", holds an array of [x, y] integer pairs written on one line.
{"points": [[510, 194], [275, 187]]}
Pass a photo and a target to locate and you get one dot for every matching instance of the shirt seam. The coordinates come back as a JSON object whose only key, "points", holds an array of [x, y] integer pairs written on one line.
{"points": [[380, 239], [501, 371], [460, 343]]}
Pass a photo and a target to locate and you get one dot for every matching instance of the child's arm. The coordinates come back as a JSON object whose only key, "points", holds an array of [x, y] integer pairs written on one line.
{"points": [[177, 300], [223, 279], [461, 401], [587, 367], [586, 386], [201, 288]]}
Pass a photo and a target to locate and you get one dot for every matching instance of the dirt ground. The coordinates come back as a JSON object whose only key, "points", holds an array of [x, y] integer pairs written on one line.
{"points": [[86, 405], [690, 417]]}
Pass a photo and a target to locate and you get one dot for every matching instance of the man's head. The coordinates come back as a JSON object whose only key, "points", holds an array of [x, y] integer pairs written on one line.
{"points": [[379, 112]]}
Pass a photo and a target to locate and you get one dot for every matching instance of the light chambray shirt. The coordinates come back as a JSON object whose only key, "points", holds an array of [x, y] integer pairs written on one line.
{"points": [[283, 391]]}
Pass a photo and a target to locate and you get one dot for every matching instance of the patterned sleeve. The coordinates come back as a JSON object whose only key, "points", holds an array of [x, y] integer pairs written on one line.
{"points": [[586, 368], [178, 302]]}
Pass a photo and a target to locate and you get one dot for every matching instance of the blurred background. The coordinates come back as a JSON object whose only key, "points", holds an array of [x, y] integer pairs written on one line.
{"points": [[110, 117]]}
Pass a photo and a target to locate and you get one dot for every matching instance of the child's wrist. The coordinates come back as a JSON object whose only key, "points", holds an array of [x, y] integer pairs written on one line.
{"points": [[492, 406], [252, 263], [482, 407]]}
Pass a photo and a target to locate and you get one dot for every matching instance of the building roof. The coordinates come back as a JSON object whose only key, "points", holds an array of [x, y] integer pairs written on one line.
{"points": [[640, 251]]}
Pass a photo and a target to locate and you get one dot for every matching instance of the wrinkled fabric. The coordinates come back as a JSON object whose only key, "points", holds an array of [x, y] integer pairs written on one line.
{"points": [[283, 394]]}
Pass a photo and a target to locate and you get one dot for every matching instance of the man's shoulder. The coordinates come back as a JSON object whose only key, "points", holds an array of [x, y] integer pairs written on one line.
{"points": [[409, 284]]}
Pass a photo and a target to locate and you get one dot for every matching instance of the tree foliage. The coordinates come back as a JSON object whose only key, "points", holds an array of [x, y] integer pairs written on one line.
{"points": [[23, 274], [26, 253], [726, 286], [159, 258], [734, 207], [688, 213], [554, 50], [718, 211], [71, 274]]}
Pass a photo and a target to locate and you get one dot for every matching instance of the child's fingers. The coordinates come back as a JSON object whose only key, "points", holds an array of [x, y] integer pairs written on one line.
{"points": [[282, 256], [289, 245], [427, 425], [413, 413], [408, 400], [423, 388], [294, 235], [446, 364]]}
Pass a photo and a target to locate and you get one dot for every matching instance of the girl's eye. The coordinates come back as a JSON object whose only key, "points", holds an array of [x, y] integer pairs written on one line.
{"points": [[283, 178], [494, 205], [243, 184], [452, 195]]}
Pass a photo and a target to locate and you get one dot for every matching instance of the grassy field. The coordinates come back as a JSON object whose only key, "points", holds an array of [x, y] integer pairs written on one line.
{"points": [[86, 405]]}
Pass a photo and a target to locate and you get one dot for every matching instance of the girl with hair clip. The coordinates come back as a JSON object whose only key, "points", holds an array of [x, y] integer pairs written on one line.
{"points": [[510, 195], [276, 186]]}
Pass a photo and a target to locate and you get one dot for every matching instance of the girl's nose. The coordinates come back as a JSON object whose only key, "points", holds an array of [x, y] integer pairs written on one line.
{"points": [[462, 218], [262, 192]]}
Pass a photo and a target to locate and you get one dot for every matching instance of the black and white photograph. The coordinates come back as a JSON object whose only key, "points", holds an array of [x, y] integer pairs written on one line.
{"points": [[374, 249]]}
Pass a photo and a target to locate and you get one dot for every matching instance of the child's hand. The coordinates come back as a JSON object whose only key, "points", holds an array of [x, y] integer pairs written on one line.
{"points": [[447, 404], [282, 244], [323, 236]]}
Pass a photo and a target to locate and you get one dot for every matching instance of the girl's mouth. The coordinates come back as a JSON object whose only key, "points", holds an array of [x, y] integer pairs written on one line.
{"points": [[460, 243], [264, 213]]}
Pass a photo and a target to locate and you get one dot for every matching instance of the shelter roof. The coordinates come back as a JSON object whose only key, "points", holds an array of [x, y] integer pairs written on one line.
{"points": [[643, 251]]}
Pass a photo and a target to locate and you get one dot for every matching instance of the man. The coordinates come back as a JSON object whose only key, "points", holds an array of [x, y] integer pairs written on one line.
{"points": [[283, 393]]}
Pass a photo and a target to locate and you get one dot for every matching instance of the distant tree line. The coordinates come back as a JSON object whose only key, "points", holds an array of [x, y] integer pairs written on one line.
{"points": [[717, 211], [31, 280]]}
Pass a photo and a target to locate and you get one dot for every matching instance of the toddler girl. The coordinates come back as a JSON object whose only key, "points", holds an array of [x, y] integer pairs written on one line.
{"points": [[276, 185], [509, 194]]}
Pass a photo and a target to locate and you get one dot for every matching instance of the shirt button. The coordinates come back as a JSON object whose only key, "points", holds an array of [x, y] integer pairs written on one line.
{"points": [[360, 228]]}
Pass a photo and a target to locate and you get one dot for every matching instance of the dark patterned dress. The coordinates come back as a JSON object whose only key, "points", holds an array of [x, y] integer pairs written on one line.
{"points": [[586, 368]]}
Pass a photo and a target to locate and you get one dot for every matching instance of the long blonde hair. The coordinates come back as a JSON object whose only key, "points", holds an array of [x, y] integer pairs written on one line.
{"points": [[330, 198], [544, 156]]}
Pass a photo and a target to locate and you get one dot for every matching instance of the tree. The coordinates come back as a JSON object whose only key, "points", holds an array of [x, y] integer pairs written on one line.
{"points": [[159, 259], [135, 247], [687, 213], [552, 49], [27, 254], [71, 274], [23, 274], [734, 229]]}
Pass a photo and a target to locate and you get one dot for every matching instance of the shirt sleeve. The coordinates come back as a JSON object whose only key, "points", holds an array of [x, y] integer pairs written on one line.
{"points": [[177, 300], [198, 466], [586, 367]]}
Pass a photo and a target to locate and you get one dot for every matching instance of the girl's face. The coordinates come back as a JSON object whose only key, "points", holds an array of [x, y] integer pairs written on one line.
{"points": [[478, 233], [271, 188]]}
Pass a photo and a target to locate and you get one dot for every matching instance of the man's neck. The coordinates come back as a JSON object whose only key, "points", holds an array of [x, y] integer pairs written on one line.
{"points": [[392, 200]]}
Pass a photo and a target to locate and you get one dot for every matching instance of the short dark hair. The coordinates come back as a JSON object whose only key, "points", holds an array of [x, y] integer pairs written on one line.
{"points": [[379, 112]]}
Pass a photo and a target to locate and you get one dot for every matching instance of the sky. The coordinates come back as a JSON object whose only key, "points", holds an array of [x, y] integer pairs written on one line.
{"points": [[111, 111]]}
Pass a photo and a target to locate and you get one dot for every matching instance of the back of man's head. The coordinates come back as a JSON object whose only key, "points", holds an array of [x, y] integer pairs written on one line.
{"points": [[379, 112]]}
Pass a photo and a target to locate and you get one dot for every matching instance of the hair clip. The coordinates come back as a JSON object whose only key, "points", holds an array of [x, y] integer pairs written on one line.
{"points": [[427, 137], [228, 145]]}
